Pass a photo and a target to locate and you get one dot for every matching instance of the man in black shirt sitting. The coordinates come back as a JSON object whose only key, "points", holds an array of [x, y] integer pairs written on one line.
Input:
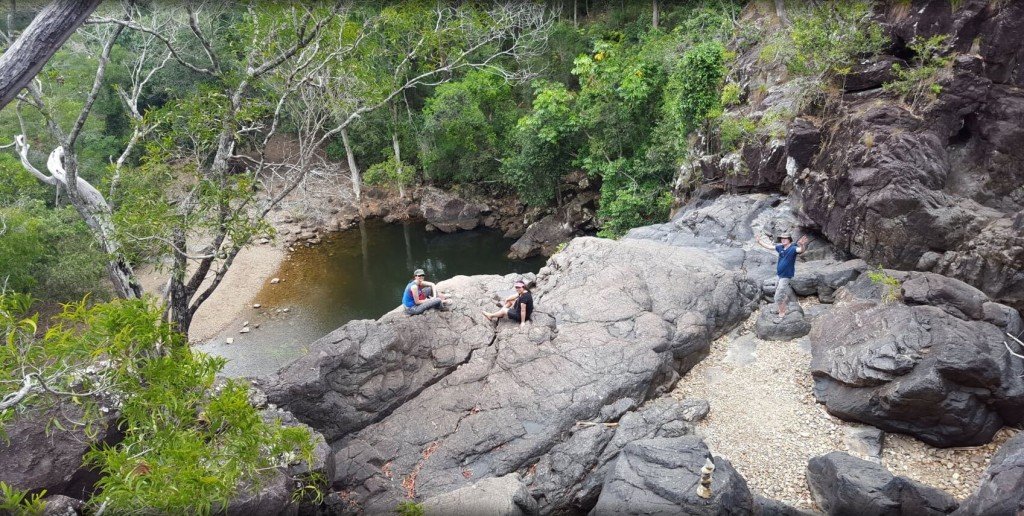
{"points": [[518, 307]]}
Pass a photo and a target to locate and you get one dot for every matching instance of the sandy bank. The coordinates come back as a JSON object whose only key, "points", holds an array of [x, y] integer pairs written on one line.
{"points": [[252, 268]]}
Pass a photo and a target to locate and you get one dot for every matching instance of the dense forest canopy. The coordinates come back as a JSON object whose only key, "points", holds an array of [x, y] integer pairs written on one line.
{"points": [[148, 140]]}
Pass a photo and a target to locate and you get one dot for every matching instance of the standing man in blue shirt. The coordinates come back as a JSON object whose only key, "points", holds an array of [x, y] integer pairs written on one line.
{"points": [[786, 268]]}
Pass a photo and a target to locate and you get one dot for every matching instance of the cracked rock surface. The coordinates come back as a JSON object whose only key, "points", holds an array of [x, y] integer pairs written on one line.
{"points": [[661, 476], [615, 321]]}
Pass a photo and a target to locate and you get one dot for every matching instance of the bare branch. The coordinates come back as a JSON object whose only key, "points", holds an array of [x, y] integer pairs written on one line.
{"points": [[101, 70], [193, 23], [15, 398], [1019, 343]]}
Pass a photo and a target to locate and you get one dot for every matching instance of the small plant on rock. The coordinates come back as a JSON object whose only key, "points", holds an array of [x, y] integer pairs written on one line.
{"points": [[919, 81], [19, 503], [892, 291], [409, 508]]}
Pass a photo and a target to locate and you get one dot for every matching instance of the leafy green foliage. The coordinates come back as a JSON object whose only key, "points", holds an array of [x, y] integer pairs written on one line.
{"points": [[918, 81], [636, 105], [734, 131], [390, 173], [19, 503], [48, 252], [409, 508], [731, 93], [543, 144], [463, 123], [699, 80], [18, 184], [188, 445], [825, 41]]}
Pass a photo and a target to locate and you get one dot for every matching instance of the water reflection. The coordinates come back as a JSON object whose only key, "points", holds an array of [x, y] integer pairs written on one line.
{"points": [[360, 274]]}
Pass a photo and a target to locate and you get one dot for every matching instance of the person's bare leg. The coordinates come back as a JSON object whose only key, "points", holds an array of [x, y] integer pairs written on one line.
{"points": [[782, 308], [493, 316]]}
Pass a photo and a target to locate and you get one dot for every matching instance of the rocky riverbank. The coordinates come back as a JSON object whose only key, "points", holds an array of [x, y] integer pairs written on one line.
{"points": [[619, 326]]}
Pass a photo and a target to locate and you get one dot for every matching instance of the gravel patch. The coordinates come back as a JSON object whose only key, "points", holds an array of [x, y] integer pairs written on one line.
{"points": [[764, 419]]}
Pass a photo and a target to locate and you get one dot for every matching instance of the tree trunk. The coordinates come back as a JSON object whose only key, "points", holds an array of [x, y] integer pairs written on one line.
{"points": [[397, 148], [44, 36], [574, 22], [179, 296], [94, 210], [352, 167], [780, 11], [398, 161], [656, 16]]}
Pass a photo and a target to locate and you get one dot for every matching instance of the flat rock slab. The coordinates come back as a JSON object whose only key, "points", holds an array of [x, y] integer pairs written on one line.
{"points": [[503, 496], [615, 320], [742, 350]]}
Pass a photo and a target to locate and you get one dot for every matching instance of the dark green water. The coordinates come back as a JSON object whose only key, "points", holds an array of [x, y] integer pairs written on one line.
{"points": [[359, 274]]}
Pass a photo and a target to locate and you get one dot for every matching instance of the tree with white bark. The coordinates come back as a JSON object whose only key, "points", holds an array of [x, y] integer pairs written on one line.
{"points": [[263, 67]]}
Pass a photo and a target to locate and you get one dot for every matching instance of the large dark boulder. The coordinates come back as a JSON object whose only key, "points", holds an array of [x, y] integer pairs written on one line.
{"points": [[448, 212], [916, 369], [872, 73], [37, 454], [843, 485], [614, 321], [570, 475], [545, 235], [661, 476], [770, 326], [1002, 486]]}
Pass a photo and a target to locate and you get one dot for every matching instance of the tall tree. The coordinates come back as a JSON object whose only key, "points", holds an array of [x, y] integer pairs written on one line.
{"points": [[261, 67]]}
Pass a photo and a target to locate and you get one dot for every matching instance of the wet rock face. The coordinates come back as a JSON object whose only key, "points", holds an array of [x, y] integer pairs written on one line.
{"points": [[661, 476], [928, 370], [1002, 487], [936, 187], [615, 321], [843, 484]]}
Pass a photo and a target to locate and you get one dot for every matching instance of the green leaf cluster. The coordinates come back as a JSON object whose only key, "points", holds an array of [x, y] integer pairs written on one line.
{"points": [[189, 444], [825, 40], [48, 252], [20, 503], [390, 173], [463, 125], [545, 142], [918, 82]]}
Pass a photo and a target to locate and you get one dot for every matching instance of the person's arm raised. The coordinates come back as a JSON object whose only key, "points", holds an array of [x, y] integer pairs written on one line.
{"points": [[801, 245]]}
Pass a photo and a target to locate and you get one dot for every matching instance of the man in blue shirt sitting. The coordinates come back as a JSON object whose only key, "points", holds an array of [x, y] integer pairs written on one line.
{"points": [[786, 267], [419, 295]]}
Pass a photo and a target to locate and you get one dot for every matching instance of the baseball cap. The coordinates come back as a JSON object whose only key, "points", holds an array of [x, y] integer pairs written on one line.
{"points": [[419, 272]]}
